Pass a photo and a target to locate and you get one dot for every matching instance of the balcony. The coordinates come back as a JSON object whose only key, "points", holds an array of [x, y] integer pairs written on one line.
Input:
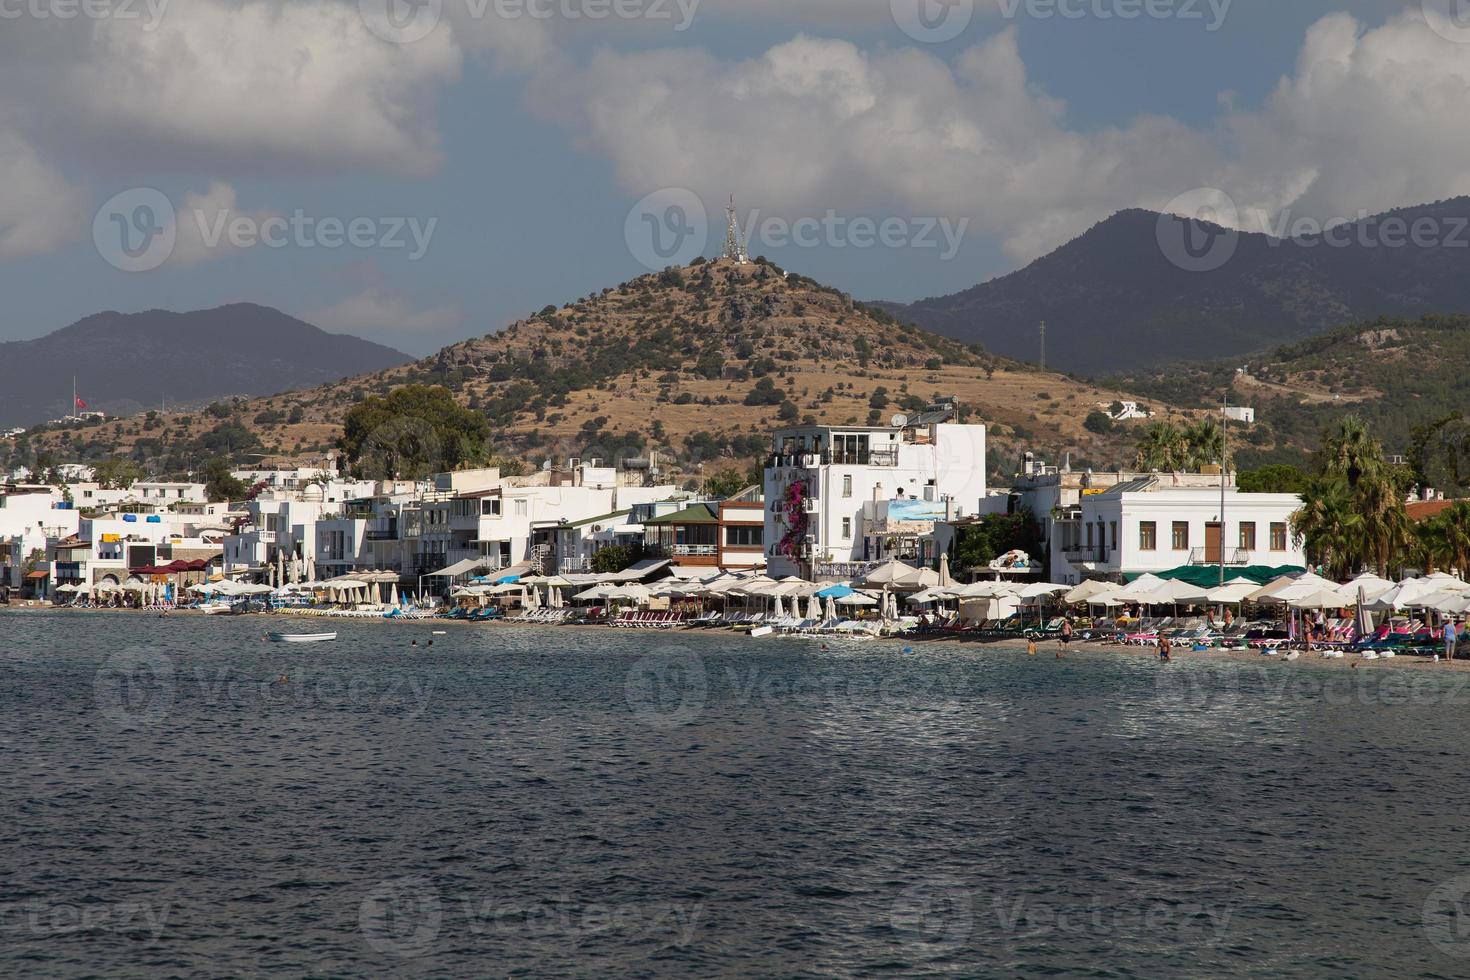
{"points": [[844, 569], [870, 457], [1238, 557], [695, 550]]}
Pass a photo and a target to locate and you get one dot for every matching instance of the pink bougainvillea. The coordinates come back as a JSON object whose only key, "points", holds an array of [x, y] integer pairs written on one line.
{"points": [[796, 520]]}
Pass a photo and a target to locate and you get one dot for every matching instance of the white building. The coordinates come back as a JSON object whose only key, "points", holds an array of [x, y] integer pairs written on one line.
{"points": [[1145, 525], [31, 517], [821, 479]]}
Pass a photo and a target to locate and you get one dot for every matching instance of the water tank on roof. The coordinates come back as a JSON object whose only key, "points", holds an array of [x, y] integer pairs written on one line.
{"points": [[155, 519], [130, 518]]}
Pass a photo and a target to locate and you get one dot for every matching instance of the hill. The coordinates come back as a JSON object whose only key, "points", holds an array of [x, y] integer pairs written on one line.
{"points": [[1400, 375], [1113, 300], [696, 364], [124, 362]]}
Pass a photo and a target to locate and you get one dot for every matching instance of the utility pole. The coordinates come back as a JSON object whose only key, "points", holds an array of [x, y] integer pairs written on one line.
{"points": [[1043, 345], [1224, 463]]}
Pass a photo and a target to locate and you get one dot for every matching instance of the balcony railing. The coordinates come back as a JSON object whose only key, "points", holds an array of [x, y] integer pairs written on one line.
{"points": [[1212, 556], [870, 457], [845, 569], [696, 550]]}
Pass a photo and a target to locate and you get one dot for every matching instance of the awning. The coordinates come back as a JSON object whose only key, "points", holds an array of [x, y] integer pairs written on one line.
{"points": [[35, 575], [458, 568]]}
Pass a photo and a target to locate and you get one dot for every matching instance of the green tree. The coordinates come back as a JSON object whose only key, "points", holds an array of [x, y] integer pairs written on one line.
{"points": [[1161, 447], [726, 483], [219, 485], [616, 558], [1275, 478], [980, 543], [1329, 525], [417, 430], [1099, 422], [116, 473]]}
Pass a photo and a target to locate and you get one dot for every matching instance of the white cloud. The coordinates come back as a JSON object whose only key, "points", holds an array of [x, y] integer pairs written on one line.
{"points": [[232, 86], [203, 221], [39, 210], [1370, 119]]}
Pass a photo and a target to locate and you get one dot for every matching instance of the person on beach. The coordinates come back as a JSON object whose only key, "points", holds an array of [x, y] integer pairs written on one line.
{"points": [[1164, 649], [1066, 636], [1450, 636], [1030, 646]]}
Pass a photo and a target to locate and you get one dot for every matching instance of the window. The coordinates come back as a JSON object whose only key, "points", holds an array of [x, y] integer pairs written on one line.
{"points": [[1113, 534], [1248, 536], [1148, 536], [746, 536], [521, 508], [1181, 536], [847, 529], [847, 485], [1278, 536], [490, 507]]}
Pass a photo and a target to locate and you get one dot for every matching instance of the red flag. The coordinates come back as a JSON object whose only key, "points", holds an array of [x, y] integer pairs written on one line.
{"points": [[80, 403]]}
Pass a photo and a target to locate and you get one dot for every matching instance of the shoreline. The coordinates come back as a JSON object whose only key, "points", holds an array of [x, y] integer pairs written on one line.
{"points": [[1046, 649]]}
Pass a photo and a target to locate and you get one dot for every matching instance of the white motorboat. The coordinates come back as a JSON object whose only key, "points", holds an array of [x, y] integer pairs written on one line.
{"points": [[302, 637]]}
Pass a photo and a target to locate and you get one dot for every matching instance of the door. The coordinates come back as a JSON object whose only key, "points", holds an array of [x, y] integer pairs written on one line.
{"points": [[1214, 535]]}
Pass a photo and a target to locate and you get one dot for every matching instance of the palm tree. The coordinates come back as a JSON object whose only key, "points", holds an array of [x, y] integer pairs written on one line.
{"points": [[1428, 544], [1162, 447], [1206, 444], [1330, 524], [1385, 526], [1455, 526], [1351, 452]]}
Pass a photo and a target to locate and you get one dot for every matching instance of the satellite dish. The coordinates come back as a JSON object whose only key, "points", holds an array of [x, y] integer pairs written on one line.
{"points": [[899, 421]]}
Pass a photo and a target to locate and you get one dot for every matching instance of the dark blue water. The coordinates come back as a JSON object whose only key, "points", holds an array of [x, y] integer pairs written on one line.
{"points": [[596, 803]]}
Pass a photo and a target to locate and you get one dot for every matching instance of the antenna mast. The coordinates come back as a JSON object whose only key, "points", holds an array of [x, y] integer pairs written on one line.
{"points": [[735, 249]]}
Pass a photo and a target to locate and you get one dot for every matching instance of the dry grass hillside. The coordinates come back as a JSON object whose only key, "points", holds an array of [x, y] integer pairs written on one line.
{"points": [[696, 363]]}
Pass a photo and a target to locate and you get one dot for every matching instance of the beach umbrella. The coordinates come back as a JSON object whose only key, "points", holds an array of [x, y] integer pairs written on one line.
{"points": [[945, 579], [778, 610], [813, 607], [1318, 599], [889, 572], [1088, 589], [1231, 593], [393, 594], [857, 599], [831, 608]]}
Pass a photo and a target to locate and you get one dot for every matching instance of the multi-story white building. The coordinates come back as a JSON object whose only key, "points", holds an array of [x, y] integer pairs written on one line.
{"points": [[1146, 525], [820, 479], [30, 518]]}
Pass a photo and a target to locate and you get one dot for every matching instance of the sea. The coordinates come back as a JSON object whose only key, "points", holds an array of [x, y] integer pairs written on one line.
{"points": [[183, 798]]}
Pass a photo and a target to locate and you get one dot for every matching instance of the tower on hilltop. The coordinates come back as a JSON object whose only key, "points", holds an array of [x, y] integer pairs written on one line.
{"points": [[735, 249]]}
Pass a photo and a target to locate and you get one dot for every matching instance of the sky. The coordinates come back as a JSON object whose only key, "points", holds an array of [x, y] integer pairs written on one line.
{"points": [[421, 171]]}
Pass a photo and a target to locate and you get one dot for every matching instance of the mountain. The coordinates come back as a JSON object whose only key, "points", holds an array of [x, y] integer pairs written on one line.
{"points": [[124, 362], [1112, 299], [695, 364]]}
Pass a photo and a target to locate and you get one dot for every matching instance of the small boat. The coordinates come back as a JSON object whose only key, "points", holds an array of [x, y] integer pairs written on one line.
{"points": [[763, 631], [216, 609], [302, 637]]}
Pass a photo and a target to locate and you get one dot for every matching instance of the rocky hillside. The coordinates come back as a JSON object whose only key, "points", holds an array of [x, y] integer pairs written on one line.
{"points": [[696, 364]]}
